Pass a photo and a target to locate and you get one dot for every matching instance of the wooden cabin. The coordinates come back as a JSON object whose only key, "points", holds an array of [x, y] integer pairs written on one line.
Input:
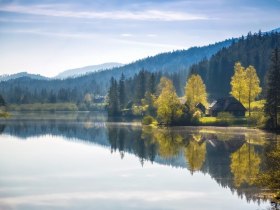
{"points": [[228, 104]]}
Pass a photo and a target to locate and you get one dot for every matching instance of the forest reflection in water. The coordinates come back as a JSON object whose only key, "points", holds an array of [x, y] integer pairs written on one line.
{"points": [[244, 160]]}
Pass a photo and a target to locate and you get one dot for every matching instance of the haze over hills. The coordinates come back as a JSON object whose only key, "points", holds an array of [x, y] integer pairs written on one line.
{"points": [[22, 74], [168, 62], [86, 70]]}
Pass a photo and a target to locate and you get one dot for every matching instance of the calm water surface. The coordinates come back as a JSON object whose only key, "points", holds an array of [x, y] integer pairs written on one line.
{"points": [[85, 161]]}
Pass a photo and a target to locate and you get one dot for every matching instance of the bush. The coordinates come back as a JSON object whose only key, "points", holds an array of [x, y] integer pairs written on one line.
{"points": [[257, 119], [195, 117], [225, 117], [148, 120]]}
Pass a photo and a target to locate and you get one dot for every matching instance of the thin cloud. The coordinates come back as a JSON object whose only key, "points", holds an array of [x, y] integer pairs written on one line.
{"points": [[146, 15], [48, 33], [126, 35]]}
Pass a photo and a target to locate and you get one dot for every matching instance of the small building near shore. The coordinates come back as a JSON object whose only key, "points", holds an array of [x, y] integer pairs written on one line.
{"points": [[227, 104], [201, 107]]}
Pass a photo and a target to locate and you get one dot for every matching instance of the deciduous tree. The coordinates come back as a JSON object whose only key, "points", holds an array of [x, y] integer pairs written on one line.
{"points": [[195, 92], [238, 82], [168, 104], [252, 87]]}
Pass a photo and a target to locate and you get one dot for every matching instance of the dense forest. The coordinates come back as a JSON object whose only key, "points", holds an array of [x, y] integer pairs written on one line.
{"points": [[253, 50], [216, 71]]}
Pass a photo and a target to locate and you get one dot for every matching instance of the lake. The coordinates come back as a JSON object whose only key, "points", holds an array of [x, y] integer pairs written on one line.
{"points": [[87, 161]]}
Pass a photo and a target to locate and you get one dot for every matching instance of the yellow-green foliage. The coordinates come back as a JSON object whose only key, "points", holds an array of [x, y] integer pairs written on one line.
{"points": [[168, 104], [148, 120], [257, 119], [245, 165], [257, 105], [238, 83], [4, 114], [252, 88], [223, 119], [195, 92], [245, 85], [138, 110], [208, 120], [44, 107], [195, 154]]}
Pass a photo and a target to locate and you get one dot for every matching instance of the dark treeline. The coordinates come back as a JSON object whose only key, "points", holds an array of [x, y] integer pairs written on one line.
{"points": [[26, 90], [124, 93], [254, 50]]}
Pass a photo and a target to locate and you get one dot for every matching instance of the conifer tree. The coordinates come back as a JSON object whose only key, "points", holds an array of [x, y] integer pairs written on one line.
{"points": [[2, 101], [272, 106], [122, 94], [140, 86], [113, 103]]}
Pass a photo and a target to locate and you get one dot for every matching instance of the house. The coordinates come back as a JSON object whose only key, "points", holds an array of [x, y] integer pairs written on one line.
{"points": [[201, 107], [228, 104], [99, 99]]}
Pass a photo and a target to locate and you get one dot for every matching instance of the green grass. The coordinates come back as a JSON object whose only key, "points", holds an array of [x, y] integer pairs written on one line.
{"points": [[44, 107], [208, 120], [214, 121]]}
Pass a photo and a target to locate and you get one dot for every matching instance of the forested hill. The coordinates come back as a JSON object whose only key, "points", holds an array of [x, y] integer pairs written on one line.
{"points": [[171, 62], [28, 90], [255, 50]]}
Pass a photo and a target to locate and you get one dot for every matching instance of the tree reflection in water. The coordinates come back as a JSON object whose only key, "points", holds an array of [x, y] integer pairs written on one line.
{"points": [[241, 160]]}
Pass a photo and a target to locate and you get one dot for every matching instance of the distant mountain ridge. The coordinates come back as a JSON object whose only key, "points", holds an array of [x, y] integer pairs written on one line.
{"points": [[87, 70], [22, 74]]}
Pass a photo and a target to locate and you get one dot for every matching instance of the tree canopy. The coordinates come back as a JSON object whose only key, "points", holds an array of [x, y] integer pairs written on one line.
{"points": [[195, 92], [238, 82], [168, 104]]}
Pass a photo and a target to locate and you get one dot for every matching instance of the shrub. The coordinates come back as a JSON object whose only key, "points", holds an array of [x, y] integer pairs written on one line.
{"points": [[257, 119], [225, 117], [148, 120]]}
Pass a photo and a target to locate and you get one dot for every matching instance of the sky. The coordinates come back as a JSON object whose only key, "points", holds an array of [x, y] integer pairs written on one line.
{"points": [[49, 36]]}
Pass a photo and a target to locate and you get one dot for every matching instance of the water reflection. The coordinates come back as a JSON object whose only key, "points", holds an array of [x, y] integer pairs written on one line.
{"points": [[239, 159]]}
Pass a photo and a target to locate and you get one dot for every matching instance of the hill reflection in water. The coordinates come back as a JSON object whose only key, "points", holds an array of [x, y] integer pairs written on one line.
{"points": [[233, 157]]}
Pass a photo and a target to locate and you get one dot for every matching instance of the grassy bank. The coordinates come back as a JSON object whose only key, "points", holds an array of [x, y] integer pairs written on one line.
{"points": [[215, 121], [43, 107]]}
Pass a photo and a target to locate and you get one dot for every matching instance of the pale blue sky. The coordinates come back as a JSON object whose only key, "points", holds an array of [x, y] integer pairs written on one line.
{"points": [[47, 37]]}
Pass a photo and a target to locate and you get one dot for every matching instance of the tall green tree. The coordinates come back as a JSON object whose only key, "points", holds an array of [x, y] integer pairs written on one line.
{"points": [[168, 104], [252, 86], [272, 106], [152, 84], [195, 92], [113, 99], [122, 93], [2, 101], [238, 82], [140, 86]]}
